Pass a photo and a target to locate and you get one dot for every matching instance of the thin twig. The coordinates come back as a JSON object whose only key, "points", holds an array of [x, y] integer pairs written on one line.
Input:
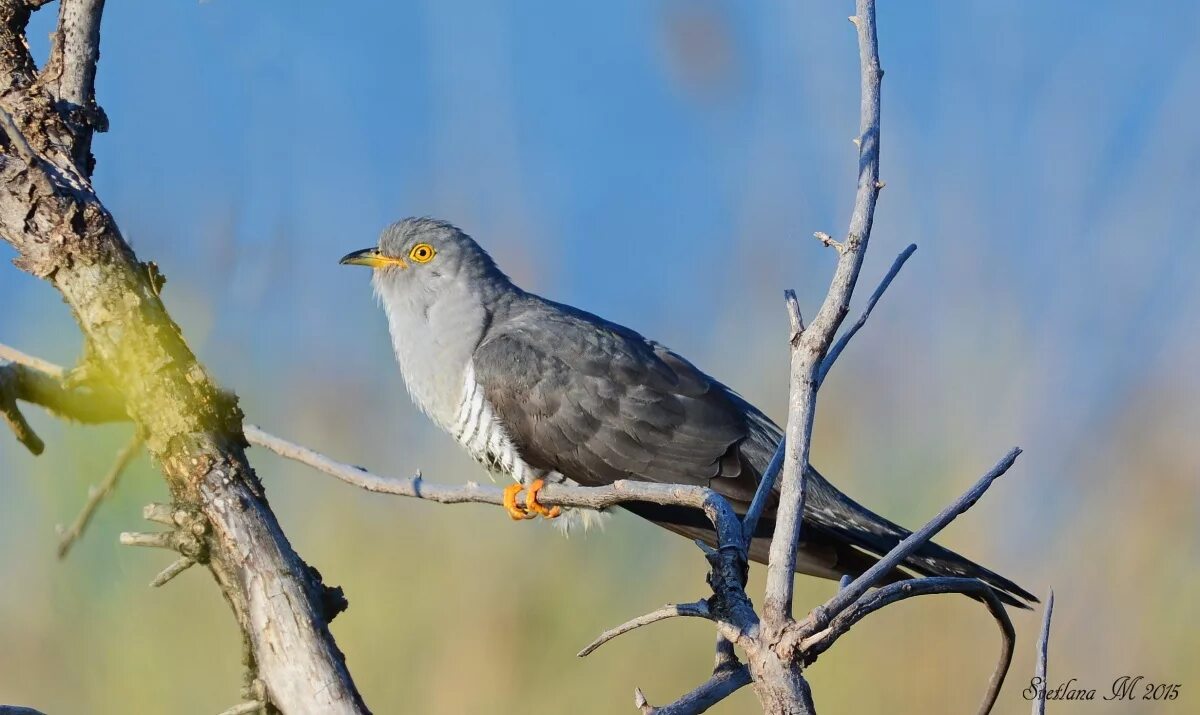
{"points": [[620, 491], [12, 414], [795, 318], [843, 341], [720, 686], [17, 138], [154, 540], [828, 241], [250, 706], [43, 383], [160, 514], [97, 494], [13, 355], [176, 567], [1043, 654], [639, 702], [766, 488], [818, 643], [851, 593], [698, 609]]}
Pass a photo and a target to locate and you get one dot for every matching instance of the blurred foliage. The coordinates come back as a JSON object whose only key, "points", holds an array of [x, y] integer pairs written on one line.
{"points": [[655, 163]]}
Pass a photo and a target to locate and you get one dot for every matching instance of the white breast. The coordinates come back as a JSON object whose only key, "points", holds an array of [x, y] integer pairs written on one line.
{"points": [[483, 436], [479, 432]]}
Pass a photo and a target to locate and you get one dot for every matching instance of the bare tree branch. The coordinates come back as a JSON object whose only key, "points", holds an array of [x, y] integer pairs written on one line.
{"points": [[809, 351], [77, 50], [417, 487], [176, 567], [16, 138], [64, 234], [721, 685], [42, 383], [71, 74], [843, 341], [13, 417], [250, 706], [1043, 654], [98, 494], [728, 676], [726, 655], [52, 372], [698, 609], [818, 643], [852, 592], [766, 487]]}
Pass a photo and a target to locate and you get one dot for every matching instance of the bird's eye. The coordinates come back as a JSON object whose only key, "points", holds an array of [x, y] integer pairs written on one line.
{"points": [[422, 253]]}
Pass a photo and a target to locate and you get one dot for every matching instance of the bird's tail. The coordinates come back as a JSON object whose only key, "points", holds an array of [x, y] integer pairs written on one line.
{"points": [[929, 560], [848, 544], [832, 513]]}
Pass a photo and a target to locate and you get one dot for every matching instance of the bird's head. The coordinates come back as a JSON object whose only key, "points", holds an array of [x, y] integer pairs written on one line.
{"points": [[424, 253]]}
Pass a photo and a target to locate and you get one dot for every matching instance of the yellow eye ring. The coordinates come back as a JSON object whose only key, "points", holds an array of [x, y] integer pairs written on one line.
{"points": [[422, 253]]}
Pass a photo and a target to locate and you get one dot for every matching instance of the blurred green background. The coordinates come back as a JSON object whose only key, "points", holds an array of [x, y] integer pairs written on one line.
{"points": [[662, 164]]}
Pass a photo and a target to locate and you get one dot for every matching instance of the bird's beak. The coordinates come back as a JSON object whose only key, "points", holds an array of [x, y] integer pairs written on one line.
{"points": [[372, 258]]}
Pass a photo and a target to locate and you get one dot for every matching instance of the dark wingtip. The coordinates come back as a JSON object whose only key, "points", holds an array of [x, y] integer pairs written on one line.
{"points": [[1018, 599], [1009, 592]]}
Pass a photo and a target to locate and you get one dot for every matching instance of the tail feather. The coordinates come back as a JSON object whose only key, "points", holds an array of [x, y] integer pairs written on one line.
{"points": [[844, 537], [846, 520], [832, 550], [932, 560]]}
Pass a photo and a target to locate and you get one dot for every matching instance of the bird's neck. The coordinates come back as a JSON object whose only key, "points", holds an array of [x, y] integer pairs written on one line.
{"points": [[434, 335]]}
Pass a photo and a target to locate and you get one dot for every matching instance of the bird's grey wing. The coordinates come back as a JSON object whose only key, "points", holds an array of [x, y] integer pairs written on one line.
{"points": [[597, 402]]}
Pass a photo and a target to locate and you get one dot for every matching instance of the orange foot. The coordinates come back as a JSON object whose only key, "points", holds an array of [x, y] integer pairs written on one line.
{"points": [[515, 510], [532, 504]]}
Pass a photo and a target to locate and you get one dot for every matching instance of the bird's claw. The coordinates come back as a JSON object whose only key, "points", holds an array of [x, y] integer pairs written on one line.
{"points": [[532, 507], [515, 510], [532, 504]]}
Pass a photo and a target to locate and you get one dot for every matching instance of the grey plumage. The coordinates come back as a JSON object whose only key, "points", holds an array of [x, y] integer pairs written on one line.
{"points": [[535, 388]]}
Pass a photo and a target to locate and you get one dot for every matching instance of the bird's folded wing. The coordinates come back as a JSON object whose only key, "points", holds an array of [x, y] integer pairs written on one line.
{"points": [[597, 402]]}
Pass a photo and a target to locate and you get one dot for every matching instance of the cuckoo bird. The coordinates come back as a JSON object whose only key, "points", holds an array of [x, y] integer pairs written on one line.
{"points": [[540, 391]]}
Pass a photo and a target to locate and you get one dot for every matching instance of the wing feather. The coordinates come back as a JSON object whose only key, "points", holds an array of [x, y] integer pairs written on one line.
{"points": [[597, 402]]}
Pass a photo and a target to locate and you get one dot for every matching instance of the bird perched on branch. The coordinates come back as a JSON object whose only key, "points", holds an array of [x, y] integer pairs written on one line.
{"points": [[539, 391]]}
